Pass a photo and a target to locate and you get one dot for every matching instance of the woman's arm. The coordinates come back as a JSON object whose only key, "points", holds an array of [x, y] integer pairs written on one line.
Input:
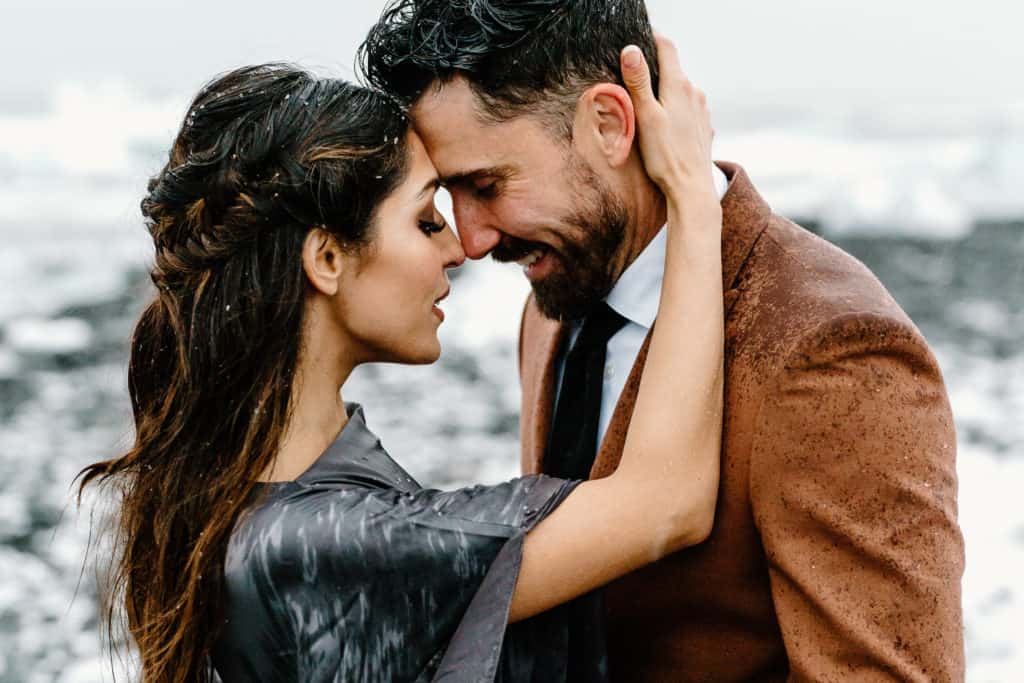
{"points": [[662, 496]]}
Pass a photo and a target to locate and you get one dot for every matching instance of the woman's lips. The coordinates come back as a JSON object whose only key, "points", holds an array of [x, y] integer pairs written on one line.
{"points": [[436, 309]]}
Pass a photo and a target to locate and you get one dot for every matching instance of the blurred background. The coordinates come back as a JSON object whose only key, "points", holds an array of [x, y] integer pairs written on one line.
{"points": [[893, 127]]}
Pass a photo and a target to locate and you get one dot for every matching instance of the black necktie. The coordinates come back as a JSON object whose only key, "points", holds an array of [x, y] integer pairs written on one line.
{"points": [[573, 442]]}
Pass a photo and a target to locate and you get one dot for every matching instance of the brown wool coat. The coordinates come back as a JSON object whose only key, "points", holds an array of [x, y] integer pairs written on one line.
{"points": [[836, 554]]}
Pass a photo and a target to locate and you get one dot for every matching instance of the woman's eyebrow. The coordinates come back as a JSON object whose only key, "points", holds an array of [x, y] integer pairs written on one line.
{"points": [[431, 184]]}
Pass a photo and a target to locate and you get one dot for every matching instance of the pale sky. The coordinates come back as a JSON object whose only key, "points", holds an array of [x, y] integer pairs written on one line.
{"points": [[798, 53]]}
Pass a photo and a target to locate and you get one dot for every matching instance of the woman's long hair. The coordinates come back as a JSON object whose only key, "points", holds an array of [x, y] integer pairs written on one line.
{"points": [[265, 154]]}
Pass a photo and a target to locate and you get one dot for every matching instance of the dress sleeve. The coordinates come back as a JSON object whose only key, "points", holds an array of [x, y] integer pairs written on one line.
{"points": [[426, 578], [536, 649]]}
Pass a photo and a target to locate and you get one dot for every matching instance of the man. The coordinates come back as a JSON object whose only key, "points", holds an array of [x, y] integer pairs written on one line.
{"points": [[836, 554]]}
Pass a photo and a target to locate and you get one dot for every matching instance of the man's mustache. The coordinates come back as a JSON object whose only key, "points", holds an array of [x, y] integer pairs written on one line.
{"points": [[512, 249]]}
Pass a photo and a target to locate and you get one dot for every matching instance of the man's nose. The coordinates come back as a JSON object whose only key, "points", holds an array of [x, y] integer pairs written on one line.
{"points": [[476, 235]]}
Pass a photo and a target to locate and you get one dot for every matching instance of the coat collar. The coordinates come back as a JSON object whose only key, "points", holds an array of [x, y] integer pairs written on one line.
{"points": [[745, 215]]}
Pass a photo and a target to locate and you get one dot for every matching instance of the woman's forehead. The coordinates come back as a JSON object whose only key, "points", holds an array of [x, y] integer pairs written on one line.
{"points": [[422, 174]]}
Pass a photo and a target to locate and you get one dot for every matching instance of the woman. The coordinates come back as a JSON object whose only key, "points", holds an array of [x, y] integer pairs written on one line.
{"points": [[263, 529]]}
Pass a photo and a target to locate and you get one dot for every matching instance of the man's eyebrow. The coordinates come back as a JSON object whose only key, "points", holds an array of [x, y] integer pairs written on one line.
{"points": [[500, 172]]}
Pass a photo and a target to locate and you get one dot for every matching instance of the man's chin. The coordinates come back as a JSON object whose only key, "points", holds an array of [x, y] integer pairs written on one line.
{"points": [[558, 297]]}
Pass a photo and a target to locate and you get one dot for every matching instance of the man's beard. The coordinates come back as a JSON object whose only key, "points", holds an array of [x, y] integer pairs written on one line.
{"points": [[587, 268]]}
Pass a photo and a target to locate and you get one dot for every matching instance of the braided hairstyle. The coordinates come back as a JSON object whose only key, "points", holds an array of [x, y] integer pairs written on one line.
{"points": [[265, 154]]}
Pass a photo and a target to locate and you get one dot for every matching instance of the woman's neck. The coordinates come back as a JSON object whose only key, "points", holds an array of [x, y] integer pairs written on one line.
{"points": [[318, 411]]}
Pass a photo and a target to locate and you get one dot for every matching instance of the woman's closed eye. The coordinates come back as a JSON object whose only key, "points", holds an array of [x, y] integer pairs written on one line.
{"points": [[432, 227]]}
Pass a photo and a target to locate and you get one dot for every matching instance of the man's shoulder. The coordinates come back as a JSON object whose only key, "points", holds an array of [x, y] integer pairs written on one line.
{"points": [[799, 298], [804, 277]]}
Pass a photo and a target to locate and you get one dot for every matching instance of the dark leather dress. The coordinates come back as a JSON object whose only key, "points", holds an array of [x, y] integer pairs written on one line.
{"points": [[354, 572]]}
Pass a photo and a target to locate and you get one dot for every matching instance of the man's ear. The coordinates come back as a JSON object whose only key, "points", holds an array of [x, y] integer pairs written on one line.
{"points": [[322, 260], [605, 119]]}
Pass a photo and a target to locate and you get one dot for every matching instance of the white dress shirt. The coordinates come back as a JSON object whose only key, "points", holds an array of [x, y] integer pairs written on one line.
{"points": [[635, 297]]}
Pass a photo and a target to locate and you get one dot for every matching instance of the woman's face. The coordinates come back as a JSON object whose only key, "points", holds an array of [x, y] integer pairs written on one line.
{"points": [[391, 288]]}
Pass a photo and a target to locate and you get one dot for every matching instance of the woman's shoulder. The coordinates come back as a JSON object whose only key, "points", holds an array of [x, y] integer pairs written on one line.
{"points": [[350, 527], [284, 514], [375, 499]]}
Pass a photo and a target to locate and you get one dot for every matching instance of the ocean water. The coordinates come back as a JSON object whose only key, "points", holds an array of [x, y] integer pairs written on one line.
{"points": [[932, 206]]}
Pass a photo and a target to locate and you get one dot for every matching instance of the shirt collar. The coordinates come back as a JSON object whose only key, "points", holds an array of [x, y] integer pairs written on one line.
{"points": [[636, 294]]}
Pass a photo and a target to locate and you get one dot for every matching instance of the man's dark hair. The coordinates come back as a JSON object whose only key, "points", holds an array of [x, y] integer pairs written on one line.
{"points": [[519, 56]]}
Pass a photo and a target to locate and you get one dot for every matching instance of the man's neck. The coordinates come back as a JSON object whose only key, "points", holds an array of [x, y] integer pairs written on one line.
{"points": [[649, 215]]}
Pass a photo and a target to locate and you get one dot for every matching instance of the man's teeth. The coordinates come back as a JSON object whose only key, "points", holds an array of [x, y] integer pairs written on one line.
{"points": [[531, 258]]}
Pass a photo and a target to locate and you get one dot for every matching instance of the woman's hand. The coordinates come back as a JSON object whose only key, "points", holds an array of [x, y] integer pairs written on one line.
{"points": [[674, 130]]}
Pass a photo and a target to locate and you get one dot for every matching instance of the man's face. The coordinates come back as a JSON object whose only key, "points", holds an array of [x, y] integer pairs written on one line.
{"points": [[522, 194]]}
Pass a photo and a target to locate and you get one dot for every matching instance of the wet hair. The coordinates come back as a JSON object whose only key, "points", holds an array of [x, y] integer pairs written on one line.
{"points": [[265, 154], [519, 56]]}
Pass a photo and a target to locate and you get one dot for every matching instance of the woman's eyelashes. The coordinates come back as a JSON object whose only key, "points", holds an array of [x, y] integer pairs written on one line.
{"points": [[432, 227]]}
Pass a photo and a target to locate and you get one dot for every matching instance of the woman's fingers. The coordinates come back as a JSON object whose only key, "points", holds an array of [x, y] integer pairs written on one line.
{"points": [[650, 115], [674, 80], [637, 76], [669, 68], [673, 128]]}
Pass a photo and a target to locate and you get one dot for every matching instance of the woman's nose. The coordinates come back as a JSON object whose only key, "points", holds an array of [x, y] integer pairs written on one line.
{"points": [[454, 255]]}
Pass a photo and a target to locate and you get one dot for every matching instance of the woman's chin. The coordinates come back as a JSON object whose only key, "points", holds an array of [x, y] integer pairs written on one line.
{"points": [[420, 349], [424, 354], [429, 359]]}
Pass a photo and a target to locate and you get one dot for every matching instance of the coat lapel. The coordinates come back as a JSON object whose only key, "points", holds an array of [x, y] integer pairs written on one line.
{"points": [[541, 338]]}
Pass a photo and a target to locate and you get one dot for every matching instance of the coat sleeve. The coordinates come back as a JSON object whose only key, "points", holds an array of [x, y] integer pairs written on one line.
{"points": [[853, 488]]}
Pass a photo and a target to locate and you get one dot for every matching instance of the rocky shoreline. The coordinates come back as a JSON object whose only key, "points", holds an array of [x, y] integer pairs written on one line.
{"points": [[63, 404]]}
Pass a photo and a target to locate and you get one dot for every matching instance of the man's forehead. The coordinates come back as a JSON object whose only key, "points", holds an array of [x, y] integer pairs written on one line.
{"points": [[452, 95], [459, 141]]}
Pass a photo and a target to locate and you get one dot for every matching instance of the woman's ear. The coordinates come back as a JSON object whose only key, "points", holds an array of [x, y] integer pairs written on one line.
{"points": [[322, 260], [605, 119]]}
